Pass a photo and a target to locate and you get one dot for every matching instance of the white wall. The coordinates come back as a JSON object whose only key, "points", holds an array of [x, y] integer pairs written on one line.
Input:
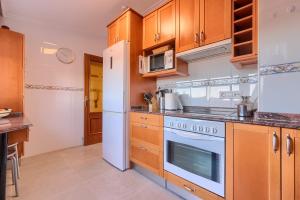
{"points": [[57, 115], [279, 43], [213, 68]]}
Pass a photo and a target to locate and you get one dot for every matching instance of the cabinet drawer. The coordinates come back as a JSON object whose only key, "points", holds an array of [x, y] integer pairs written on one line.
{"points": [[149, 119], [147, 133], [190, 187], [146, 157]]}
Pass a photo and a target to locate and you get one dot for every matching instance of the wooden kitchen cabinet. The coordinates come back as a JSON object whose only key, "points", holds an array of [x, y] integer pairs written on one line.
{"points": [[290, 164], [119, 29], [187, 24], [159, 26], [146, 141], [149, 30], [202, 22], [12, 83], [253, 159], [217, 20]]}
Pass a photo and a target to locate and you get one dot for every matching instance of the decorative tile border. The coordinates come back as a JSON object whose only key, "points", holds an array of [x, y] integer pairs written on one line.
{"points": [[49, 87], [281, 68], [212, 82]]}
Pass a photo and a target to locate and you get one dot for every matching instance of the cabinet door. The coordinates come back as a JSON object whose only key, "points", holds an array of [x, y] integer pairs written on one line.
{"points": [[290, 164], [187, 24], [216, 21], [166, 22], [149, 30], [123, 28], [252, 162], [112, 33]]}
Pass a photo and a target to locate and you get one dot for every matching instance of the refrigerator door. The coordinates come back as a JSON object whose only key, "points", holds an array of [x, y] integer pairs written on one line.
{"points": [[115, 87], [115, 140]]}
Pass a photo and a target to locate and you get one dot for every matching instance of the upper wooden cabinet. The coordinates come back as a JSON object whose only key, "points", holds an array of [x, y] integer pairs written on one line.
{"points": [[187, 24], [252, 162], [119, 29], [290, 164], [202, 22], [159, 26], [244, 32]]}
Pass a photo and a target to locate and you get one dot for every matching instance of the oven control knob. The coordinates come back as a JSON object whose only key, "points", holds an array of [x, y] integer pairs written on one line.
{"points": [[201, 128], [194, 128], [215, 131], [184, 126], [179, 125], [171, 124], [207, 129]]}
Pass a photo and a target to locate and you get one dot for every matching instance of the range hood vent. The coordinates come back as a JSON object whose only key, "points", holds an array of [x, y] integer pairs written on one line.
{"points": [[218, 48]]}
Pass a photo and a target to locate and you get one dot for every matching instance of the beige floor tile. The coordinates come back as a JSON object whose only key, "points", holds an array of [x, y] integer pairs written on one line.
{"points": [[81, 174]]}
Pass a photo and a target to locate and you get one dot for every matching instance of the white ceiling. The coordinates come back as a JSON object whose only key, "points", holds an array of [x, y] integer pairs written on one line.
{"points": [[88, 17]]}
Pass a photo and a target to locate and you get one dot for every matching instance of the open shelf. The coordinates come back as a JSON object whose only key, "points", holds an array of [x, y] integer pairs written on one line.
{"points": [[244, 31]]}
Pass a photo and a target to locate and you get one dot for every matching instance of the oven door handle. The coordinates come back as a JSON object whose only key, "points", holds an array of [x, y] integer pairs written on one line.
{"points": [[193, 136]]}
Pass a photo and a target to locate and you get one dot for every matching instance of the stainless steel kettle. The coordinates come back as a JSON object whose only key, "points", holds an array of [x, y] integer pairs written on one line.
{"points": [[245, 108]]}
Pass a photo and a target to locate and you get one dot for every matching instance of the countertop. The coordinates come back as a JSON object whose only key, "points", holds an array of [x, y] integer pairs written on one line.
{"points": [[291, 121], [14, 123]]}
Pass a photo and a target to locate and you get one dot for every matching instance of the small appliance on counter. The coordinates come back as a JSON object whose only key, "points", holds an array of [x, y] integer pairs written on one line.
{"points": [[172, 102], [245, 108], [160, 95]]}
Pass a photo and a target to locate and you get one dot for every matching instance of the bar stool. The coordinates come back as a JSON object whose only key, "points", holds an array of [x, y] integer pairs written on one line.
{"points": [[13, 157]]}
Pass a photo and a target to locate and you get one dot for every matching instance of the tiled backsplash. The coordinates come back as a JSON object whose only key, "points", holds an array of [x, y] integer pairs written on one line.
{"points": [[213, 82]]}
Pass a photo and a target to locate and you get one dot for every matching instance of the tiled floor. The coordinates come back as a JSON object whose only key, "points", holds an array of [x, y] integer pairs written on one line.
{"points": [[81, 174]]}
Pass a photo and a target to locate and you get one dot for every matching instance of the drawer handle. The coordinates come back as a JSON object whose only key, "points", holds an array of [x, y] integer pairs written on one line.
{"points": [[188, 188], [144, 118], [143, 126]]}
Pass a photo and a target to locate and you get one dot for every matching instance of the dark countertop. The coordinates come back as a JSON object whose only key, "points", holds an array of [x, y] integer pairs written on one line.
{"points": [[13, 123], [291, 121]]}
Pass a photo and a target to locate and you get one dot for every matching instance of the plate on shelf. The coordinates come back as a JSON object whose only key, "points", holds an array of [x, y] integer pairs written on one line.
{"points": [[5, 112]]}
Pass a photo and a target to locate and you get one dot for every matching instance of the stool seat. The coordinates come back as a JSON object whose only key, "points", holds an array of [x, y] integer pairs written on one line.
{"points": [[12, 155]]}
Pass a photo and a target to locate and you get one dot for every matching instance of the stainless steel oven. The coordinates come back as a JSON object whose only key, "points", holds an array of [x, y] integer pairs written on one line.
{"points": [[194, 150]]}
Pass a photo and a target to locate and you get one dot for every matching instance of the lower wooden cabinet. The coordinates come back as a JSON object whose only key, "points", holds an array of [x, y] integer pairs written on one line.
{"points": [[290, 164], [253, 159], [190, 187], [146, 141]]}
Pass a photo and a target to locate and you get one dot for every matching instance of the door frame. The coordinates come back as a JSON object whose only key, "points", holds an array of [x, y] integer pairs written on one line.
{"points": [[88, 58]]}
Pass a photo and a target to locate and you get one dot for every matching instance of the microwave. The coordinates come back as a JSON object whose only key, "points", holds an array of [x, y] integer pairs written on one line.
{"points": [[160, 61]]}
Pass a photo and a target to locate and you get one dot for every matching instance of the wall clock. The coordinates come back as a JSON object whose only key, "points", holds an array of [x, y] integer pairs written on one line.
{"points": [[65, 55]]}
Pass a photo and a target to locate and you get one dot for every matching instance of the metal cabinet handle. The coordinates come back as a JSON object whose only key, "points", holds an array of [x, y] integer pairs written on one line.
{"points": [[188, 188], [275, 142], [158, 36], [196, 38], [289, 144], [202, 36], [155, 37]]}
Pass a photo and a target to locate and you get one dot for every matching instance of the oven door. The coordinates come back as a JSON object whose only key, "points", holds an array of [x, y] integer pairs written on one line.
{"points": [[197, 158]]}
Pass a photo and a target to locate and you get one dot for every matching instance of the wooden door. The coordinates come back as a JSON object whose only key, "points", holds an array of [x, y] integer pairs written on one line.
{"points": [[166, 22], [123, 28], [187, 24], [11, 70], [290, 164], [252, 162], [93, 99], [149, 30], [216, 21], [112, 33]]}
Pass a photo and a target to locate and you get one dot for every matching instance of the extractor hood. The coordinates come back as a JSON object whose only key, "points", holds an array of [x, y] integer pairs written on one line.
{"points": [[218, 48]]}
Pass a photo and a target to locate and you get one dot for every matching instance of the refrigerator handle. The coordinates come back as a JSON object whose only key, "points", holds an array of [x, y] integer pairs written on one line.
{"points": [[111, 62]]}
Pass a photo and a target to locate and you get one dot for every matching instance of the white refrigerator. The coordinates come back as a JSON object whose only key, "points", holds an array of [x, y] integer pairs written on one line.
{"points": [[115, 105]]}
